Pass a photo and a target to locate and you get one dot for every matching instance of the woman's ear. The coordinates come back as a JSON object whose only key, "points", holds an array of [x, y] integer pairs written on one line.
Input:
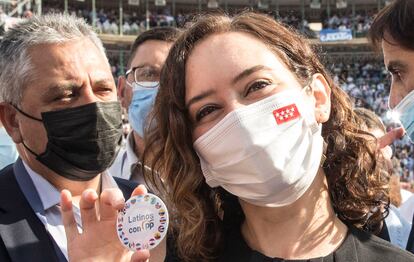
{"points": [[322, 94]]}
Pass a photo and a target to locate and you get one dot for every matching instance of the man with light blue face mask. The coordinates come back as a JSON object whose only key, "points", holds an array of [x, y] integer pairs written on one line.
{"points": [[392, 32], [137, 90], [143, 98]]}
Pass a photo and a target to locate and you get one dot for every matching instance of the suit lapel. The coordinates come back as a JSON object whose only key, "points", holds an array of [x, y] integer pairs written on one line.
{"points": [[125, 186], [23, 234]]}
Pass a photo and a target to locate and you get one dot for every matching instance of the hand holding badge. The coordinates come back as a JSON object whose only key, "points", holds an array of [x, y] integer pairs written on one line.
{"points": [[144, 215]]}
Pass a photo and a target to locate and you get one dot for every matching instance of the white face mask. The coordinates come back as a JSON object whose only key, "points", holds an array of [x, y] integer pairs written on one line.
{"points": [[266, 153]]}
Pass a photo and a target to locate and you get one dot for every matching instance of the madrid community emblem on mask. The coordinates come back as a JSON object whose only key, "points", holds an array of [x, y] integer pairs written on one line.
{"points": [[286, 114]]}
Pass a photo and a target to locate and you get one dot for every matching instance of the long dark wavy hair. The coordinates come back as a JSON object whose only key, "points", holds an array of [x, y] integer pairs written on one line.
{"points": [[358, 187]]}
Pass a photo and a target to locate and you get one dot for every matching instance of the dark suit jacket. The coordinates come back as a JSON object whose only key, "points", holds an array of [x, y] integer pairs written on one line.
{"points": [[22, 235]]}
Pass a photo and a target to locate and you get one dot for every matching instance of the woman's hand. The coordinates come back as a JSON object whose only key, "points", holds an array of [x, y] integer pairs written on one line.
{"points": [[98, 241]]}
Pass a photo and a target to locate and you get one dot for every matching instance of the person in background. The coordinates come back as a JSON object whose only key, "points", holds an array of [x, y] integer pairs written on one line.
{"points": [[8, 152], [59, 105], [396, 228], [137, 90], [392, 32]]}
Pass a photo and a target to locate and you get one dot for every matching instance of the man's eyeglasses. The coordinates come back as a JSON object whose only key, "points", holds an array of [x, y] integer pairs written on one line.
{"points": [[149, 75]]}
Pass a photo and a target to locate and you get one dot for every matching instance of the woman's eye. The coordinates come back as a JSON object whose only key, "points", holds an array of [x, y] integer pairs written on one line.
{"points": [[205, 111], [257, 86]]}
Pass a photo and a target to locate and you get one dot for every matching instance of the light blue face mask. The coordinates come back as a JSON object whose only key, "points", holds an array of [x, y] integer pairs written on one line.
{"points": [[405, 110], [143, 99], [8, 152]]}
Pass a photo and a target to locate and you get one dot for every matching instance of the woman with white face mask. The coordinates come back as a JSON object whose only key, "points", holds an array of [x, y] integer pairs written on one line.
{"points": [[261, 155]]}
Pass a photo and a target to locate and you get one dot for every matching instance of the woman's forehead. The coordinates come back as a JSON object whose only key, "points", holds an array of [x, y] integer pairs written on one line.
{"points": [[220, 57], [230, 46]]}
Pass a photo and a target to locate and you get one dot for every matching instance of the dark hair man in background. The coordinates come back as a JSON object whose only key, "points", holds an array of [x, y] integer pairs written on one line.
{"points": [[137, 90], [393, 32]]}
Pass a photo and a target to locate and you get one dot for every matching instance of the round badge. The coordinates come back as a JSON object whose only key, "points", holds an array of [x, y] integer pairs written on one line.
{"points": [[143, 222]]}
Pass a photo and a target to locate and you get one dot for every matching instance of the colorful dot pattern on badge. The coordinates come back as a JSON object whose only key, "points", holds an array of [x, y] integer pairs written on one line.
{"points": [[143, 222]]}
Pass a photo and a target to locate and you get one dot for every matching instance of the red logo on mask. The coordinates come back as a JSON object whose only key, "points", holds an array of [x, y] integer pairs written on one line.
{"points": [[286, 114]]}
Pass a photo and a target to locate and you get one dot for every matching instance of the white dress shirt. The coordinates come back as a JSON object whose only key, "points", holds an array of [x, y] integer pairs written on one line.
{"points": [[50, 198]]}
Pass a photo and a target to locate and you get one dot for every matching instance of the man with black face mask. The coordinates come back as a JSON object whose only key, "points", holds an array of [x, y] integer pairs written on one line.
{"points": [[58, 102]]}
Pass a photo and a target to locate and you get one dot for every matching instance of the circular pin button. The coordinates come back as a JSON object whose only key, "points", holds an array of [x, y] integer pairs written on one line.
{"points": [[143, 222]]}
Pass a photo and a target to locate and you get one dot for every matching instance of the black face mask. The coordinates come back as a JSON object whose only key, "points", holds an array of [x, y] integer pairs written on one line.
{"points": [[82, 141]]}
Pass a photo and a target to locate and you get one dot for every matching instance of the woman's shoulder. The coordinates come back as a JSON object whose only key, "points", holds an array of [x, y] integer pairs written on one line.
{"points": [[369, 247], [358, 246]]}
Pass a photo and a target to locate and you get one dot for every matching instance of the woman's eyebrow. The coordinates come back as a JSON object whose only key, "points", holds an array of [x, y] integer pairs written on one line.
{"points": [[200, 97], [248, 72]]}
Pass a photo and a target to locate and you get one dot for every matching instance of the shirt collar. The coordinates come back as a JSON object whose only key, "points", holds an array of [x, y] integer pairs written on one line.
{"points": [[50, 196]]}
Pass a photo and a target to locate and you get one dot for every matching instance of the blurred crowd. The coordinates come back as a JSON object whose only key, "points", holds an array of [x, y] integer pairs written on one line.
{"points": [[134, 23], [107, 21], [360, 22]]}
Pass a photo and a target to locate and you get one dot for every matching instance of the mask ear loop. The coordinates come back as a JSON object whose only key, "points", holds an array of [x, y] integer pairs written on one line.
{"points": [[31, 117], [26, 114], [129, 84], [28, 149], [323, 158]]}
